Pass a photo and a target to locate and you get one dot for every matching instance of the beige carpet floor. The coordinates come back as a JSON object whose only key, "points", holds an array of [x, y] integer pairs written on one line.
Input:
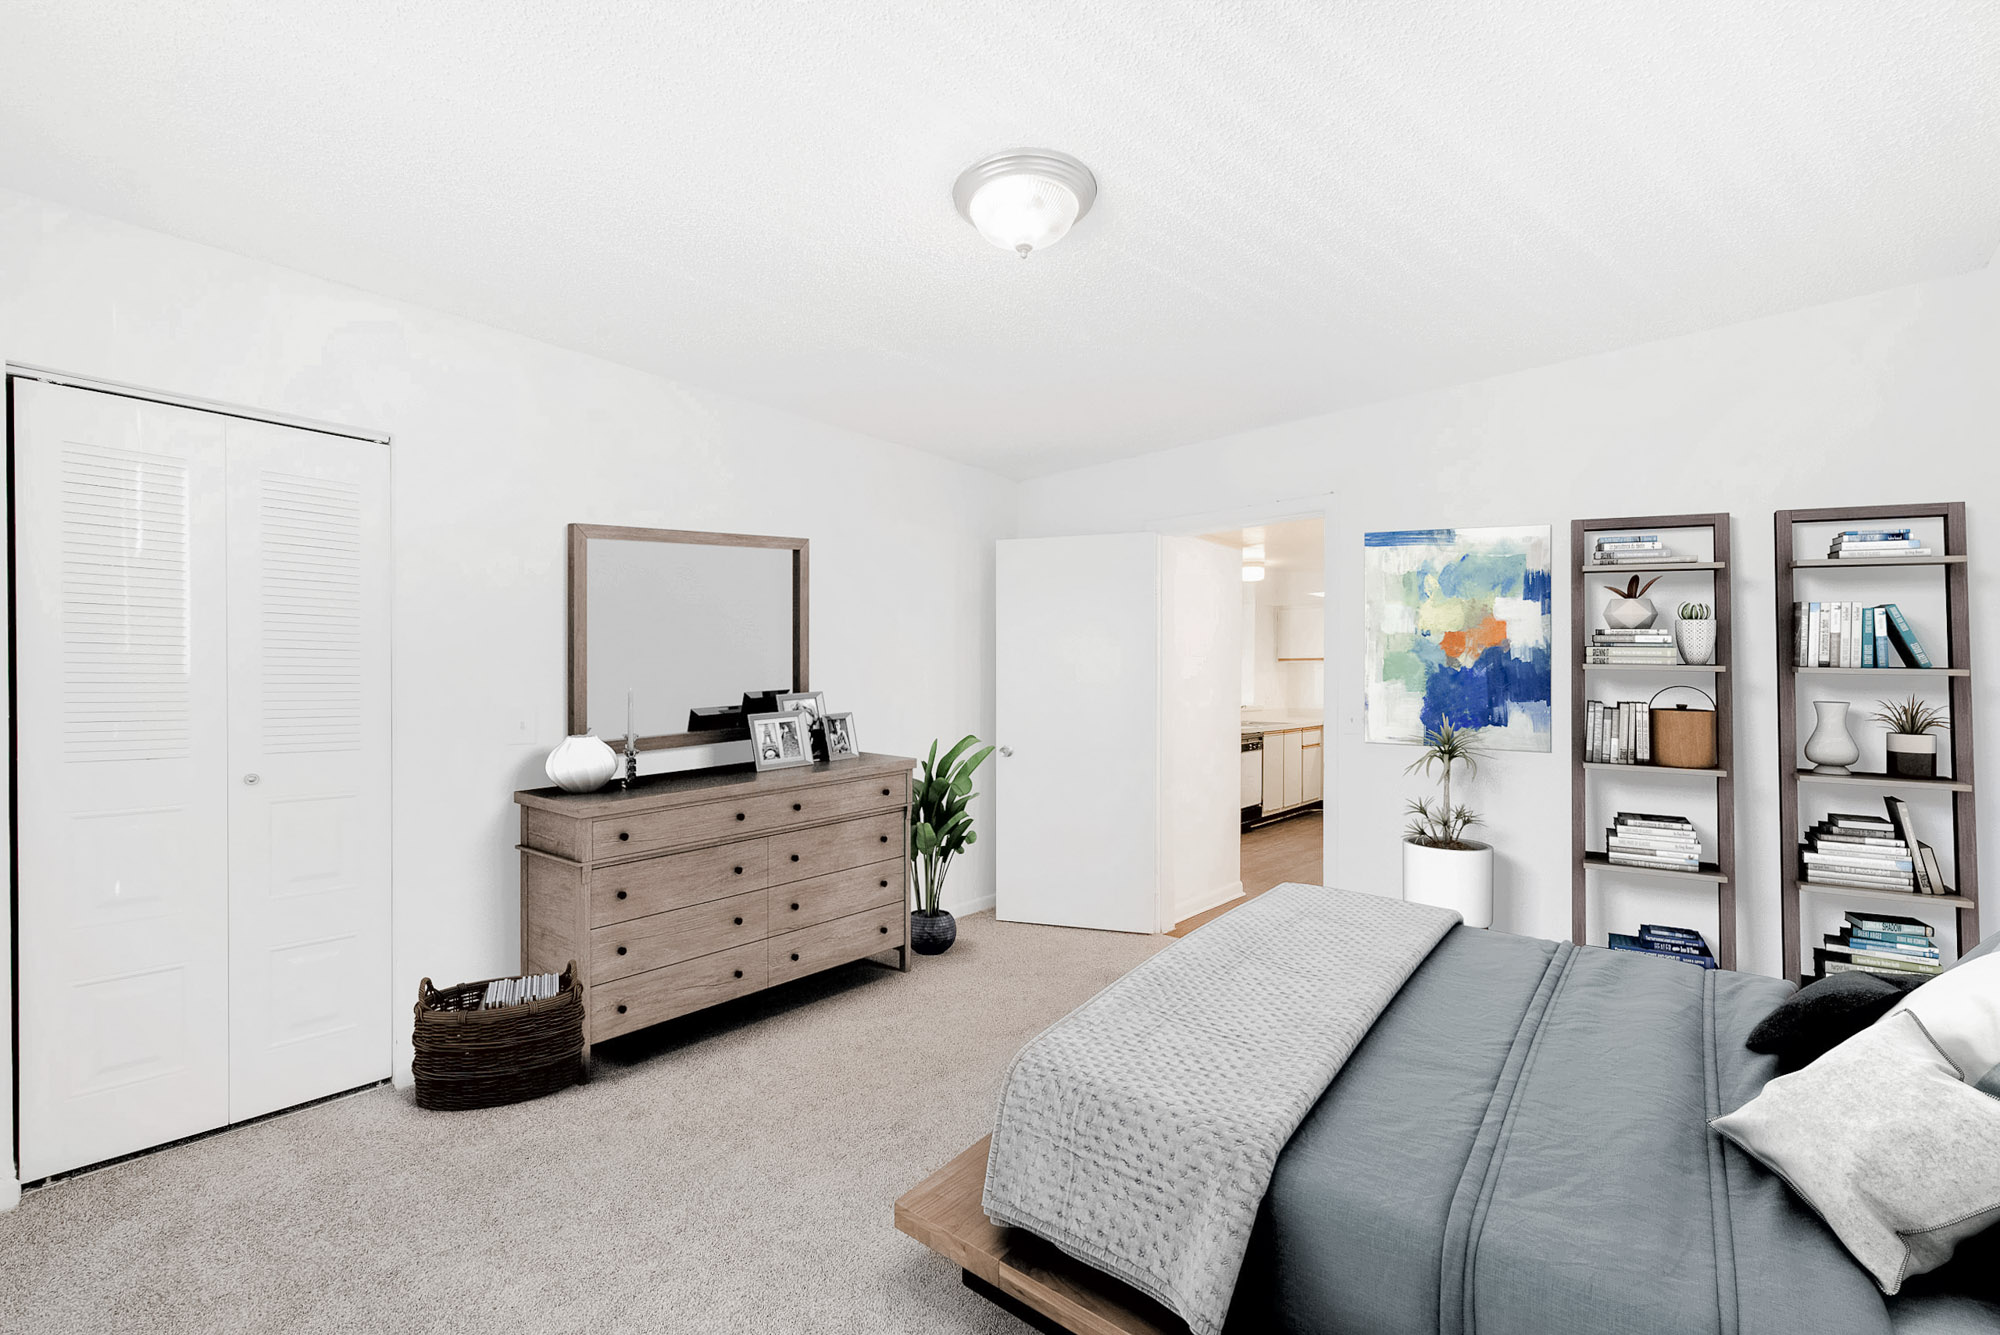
{"points": [[733, 1171]]}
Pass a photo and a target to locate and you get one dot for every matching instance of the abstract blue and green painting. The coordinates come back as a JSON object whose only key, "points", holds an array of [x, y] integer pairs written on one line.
{"points": [[1458, 631]]}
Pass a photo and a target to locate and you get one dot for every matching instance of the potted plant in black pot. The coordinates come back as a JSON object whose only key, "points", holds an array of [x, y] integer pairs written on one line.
{"points": [[1912, 751], [940, 829]]}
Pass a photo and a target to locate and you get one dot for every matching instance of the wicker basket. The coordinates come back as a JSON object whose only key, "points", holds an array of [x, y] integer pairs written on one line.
{"points": [[473, 1058]]}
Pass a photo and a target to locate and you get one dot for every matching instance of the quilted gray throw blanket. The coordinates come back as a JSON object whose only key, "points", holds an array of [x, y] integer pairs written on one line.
{"points": [[1138, 1133]]}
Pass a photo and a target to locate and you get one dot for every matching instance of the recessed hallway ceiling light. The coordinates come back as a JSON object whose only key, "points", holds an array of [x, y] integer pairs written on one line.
{"points": [[1025, 199], [1252, 573]]}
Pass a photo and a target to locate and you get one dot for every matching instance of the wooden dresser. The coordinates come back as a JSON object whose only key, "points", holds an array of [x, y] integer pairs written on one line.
{"points": [[690, 889]]}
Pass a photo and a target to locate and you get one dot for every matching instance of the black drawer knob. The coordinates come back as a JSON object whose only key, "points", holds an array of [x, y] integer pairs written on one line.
{"points": [[739, 871], [739, 815], [885, 838], [623, 836], [739, 922], [885, 792], [797, 807], [739, 973], [621, 1010], [621, 950], [795, 954], [795, 908], [885, 885], [795, 857], [885, 931], [621, 894]]}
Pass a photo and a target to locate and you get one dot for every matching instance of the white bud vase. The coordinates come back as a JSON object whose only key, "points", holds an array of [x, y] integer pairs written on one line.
{"points": [[581, 764], [1830, 748]]}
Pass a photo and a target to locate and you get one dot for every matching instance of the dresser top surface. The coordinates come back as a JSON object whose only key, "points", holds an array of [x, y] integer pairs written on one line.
{"points": [[685, 789]]}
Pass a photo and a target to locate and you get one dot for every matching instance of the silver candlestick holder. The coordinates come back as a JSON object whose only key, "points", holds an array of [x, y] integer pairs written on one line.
{"points": [[631, 760]]}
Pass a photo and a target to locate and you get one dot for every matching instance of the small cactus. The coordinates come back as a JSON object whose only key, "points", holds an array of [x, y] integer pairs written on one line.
{"points": [[1696, 612]]}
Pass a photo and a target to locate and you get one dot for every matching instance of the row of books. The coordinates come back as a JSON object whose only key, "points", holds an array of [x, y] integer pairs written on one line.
{"points": [[1672, 943], [1875, 542], [502, 992], [1631, 646], [1854, 635], [1882, 943], [1662, 843], [1618, 733], [1636, 549], [1862, 852]]}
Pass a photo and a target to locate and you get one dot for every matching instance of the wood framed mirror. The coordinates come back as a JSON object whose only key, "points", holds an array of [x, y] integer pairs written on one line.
{"points": [[682, 621]]}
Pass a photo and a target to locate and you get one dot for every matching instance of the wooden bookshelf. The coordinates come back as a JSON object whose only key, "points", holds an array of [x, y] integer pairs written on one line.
{"points": [[1956, 678], [1718, 877]]}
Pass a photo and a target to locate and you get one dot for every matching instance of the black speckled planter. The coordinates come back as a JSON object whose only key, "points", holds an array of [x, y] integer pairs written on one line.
{"points": [[932, 933]]}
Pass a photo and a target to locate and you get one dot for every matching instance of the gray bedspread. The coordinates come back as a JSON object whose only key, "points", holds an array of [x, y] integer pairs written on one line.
{"points": [[1520, 1147], [1139, 1132]]}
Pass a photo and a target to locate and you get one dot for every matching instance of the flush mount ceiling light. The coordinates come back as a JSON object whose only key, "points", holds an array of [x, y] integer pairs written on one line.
{"points": [[1252, 573], [1025, 199]]}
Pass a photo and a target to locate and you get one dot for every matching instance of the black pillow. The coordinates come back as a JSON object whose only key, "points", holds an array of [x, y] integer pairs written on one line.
{"points": [[1824, 1014]]}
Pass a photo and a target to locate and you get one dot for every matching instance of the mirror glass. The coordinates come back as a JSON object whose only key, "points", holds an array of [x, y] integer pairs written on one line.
{"points": [[681, 626]]}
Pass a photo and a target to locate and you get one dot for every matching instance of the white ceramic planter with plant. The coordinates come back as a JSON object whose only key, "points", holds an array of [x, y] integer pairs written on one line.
{"points": [[1630, 608], [1694, 632], [1440, 865], [1911, 747]]}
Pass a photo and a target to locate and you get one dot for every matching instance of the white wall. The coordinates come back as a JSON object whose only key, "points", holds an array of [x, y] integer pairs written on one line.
{"points": [[499, 442], [1890, 397]]}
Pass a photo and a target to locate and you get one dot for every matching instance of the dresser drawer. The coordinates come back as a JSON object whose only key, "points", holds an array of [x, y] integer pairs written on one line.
{"points": [[668, 938], [806, 903], [796, 954], [658, 885], [677, 827], [660, 994], [803, 854]]}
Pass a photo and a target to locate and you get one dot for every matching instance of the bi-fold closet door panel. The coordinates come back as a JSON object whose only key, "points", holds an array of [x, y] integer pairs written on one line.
{"points": [[202, 656]]}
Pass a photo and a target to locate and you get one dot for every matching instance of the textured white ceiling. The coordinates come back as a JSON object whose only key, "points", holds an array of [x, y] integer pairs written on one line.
{"points": [[1304, 205]]}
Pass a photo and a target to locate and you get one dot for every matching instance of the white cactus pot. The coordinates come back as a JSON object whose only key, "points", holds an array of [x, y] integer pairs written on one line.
{"points": [[1695, 639], [1451, 878], [581, 764]]}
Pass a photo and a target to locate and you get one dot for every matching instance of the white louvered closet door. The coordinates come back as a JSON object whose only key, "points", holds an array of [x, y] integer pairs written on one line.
{"points": [[309, 765], [123, 894]]}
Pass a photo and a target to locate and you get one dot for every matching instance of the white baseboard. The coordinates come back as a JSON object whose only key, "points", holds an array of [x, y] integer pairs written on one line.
{"points": [[10, 1194], [1203, 903], [971, 906]]}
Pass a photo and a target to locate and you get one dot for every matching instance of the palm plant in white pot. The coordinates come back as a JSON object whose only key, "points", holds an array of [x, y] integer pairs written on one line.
{"points": [[1440, 865]]}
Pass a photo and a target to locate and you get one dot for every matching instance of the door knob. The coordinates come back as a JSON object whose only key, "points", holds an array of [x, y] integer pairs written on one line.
{"points": [[252, 779], [1006, 751]]}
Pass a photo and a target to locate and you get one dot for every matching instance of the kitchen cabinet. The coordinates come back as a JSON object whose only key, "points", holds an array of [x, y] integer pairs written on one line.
{"points": [[1292, 766], [1274, 772], [1301, 634], [1315, 766], [1295, 767]]}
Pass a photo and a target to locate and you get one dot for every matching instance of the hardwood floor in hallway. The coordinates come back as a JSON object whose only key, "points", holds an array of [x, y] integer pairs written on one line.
{"points": [[1289, 850]]}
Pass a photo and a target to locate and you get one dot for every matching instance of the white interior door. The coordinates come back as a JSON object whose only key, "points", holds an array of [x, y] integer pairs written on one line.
{"points": [[122, 894], [309, 772], [1077, 675]]}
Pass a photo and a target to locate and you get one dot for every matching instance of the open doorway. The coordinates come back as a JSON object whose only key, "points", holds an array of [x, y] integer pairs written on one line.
{"points": [[1283, 706]]}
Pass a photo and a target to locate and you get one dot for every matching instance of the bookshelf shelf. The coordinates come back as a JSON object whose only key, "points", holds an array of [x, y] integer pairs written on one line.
{"points": [[1719, 876], [1886, 781], [1900, 896], [1708, 873], [1950, 567]]}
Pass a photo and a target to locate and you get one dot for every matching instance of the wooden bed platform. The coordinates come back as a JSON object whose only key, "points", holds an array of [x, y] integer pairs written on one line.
{"points": [[1016, 1270]]}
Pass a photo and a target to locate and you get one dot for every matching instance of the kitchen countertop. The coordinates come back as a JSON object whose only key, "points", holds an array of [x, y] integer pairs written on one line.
{"points": [[1279, 721]]}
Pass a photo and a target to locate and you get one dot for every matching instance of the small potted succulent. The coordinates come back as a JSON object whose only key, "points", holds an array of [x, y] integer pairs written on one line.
{"points": [[1440, 865], [1694, 632], [1630, 608], [940, 829], [1912, 749]]}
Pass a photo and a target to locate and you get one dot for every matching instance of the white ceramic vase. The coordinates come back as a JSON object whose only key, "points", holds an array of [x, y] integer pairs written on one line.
{"points": [[581, 764], [1630, 613], [1451, 878], [1830, 748], [1695, 639]]}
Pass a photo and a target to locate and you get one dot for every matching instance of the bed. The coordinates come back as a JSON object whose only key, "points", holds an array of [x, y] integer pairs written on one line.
{"points": [[1518, 1142]]}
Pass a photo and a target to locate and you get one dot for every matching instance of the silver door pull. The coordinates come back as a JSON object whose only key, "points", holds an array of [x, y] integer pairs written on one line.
{"points": [[1006, 751], [251, 779]]}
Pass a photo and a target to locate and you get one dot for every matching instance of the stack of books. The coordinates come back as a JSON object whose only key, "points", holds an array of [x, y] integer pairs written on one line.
{"points": [[1663, 843], [1857, 542], [1618, 733], [1859, 852], [1854, 635], [1674, 943], [1647, 647], [1884, 943], [1634, 549]]}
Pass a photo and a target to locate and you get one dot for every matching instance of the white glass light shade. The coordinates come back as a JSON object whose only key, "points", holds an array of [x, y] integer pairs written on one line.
{"points": [[1026, 200], [1251, 574]]}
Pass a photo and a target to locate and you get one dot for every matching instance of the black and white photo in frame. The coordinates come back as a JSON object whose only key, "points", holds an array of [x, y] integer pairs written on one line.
{"points": [[781, 740], [840, 738], [810, 703]]}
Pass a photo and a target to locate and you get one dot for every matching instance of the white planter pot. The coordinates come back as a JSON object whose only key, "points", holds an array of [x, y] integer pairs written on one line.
{"points": [[1451, 878], [581, 764], [1695, 639], [1830, 748], [1630, 613]]}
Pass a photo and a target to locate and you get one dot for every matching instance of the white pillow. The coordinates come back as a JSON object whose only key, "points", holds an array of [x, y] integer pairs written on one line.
{"points": [[1898, 1155], [1960, 1009]]}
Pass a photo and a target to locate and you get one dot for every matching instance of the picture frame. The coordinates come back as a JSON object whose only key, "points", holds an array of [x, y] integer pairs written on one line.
{"points": [[841, 741], [782, 740], [810, 703]]}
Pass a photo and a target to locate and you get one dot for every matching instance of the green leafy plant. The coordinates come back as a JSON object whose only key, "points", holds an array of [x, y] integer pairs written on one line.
{"points": [[1911, 716], [1633, 589], [1696, 612], [940, 823], [1438, 824]]}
